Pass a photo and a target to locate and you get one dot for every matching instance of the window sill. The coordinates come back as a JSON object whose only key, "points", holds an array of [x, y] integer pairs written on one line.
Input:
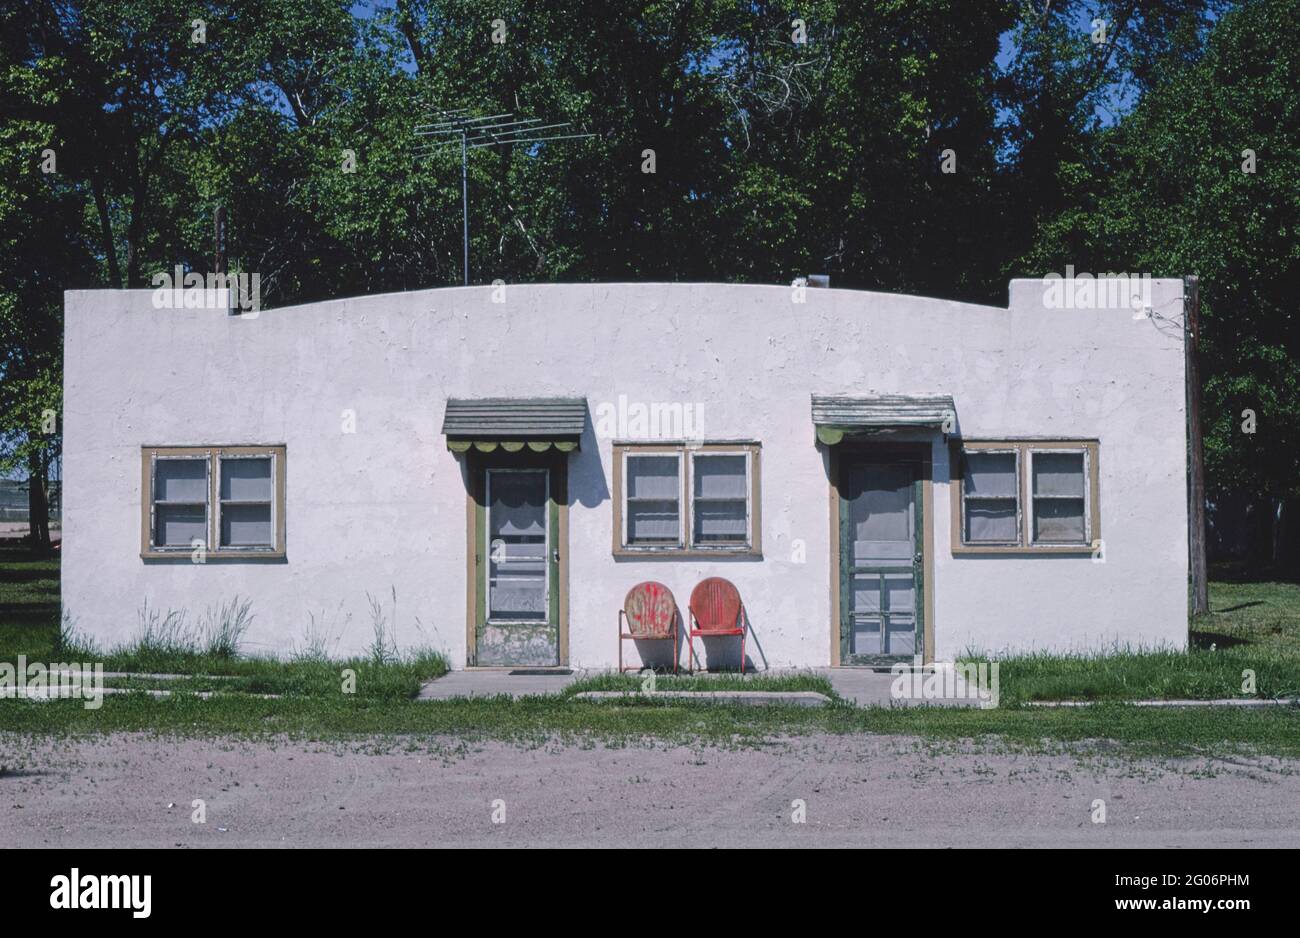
{"points": [[1080, 549], [214, 556], [686, 553]]}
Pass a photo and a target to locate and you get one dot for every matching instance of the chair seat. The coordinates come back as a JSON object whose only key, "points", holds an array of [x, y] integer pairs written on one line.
{"points": [[705, 633]]}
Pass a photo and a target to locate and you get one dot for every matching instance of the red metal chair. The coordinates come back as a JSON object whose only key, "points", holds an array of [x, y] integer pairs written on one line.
{"points": [[716, 610], [650, 612]]}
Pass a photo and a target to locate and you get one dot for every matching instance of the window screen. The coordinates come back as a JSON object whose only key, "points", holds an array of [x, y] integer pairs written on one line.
{"points": [[1060, 504], [247, 498], [720, 499], [654, 490], [991, 489], [180, 507]]}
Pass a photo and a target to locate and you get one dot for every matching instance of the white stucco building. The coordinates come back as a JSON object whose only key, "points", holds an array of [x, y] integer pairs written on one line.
{"points": [[879, 475]]}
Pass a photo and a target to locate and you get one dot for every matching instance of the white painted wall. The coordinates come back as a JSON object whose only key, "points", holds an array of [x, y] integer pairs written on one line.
{"points": [[384, 509]]}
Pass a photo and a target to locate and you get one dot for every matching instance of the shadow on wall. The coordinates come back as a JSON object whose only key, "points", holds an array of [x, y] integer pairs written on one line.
{"points": [[587, 485]]}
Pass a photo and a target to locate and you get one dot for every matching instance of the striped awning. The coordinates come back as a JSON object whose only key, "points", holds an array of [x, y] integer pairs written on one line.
{"points": [[836, 416], [515, 423]]}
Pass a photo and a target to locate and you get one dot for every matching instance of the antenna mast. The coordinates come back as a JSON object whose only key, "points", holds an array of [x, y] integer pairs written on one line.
{"points": [[474, 132]]}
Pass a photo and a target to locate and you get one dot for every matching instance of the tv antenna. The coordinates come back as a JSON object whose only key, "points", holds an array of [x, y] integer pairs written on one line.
{"points": [[474, 132]]}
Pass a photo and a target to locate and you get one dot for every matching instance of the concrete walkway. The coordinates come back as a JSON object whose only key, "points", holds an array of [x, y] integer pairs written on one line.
{"points": [[475, 683], [864, 687], [744, 698], [860, 686]]}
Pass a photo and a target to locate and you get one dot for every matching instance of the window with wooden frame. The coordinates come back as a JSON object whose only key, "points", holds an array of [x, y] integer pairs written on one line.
{"points": [[1028, 496], [687, 499], [227, 501]]}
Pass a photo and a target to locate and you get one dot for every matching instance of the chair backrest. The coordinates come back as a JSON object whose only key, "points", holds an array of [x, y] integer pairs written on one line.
{"points": [[650, 609], [715, 602]]}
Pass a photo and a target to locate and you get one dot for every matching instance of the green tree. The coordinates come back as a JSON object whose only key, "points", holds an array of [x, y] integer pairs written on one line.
{"points": [[1174, 189]]}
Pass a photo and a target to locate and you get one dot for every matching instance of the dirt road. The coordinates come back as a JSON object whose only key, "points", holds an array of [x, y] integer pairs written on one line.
{"points": [[855, 791]]}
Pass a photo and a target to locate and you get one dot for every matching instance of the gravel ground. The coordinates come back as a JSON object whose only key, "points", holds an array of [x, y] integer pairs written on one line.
{"points": [[865, 791]]}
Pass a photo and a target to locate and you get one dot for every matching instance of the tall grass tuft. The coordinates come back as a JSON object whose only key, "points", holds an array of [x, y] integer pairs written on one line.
{"points": [[224, 628], [164, 635], [383, 646], [319, 639]]}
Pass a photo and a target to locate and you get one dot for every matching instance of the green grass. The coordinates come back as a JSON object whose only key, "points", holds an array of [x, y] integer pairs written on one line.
{"points": [[1195, 675], [1261, 620], [205, 649], [29, 605], [1264, 617], [392, 679], [1251, 627], [537, 720]]}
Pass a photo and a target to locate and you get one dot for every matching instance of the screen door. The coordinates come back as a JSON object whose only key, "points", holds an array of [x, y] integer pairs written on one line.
{"points": [[880, 561], [517, 560]]}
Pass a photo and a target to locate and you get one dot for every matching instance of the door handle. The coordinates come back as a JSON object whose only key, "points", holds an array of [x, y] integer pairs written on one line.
{"points": [[555, 555]]}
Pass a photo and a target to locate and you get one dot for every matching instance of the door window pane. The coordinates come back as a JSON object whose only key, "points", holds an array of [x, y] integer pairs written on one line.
{"points": [[866, 593], [901, 590], [880, 514], [517, 551], [867, 638], [900, 637]]}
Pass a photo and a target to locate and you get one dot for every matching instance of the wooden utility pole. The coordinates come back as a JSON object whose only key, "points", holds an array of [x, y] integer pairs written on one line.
{"points": [[219, 240], [1195, 450], [38, 502]]}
